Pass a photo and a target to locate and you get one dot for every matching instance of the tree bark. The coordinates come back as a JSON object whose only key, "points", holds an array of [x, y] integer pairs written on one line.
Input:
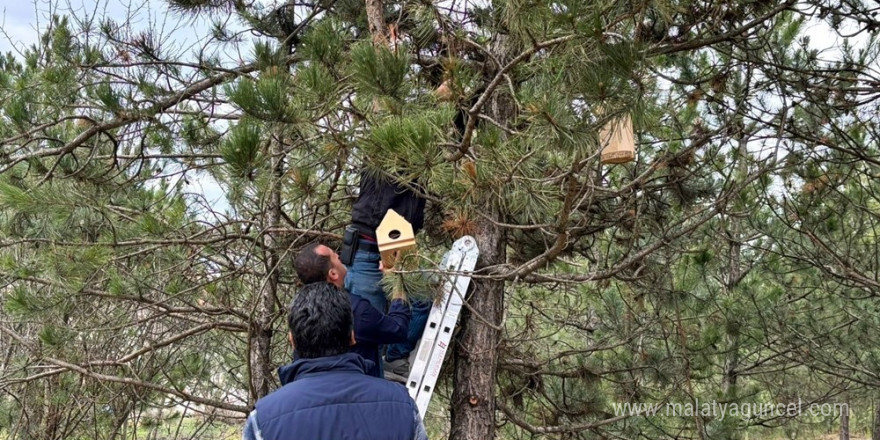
{"points": [[473, 397], [734, 277], [260, 335], [844, 423], [51, 412], [376, 21], [732, 342], [875, 434]]}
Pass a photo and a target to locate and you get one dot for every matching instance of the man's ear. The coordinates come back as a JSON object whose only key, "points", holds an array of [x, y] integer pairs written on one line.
{"points": [[352, 338], [332, 275], [290, 338]]}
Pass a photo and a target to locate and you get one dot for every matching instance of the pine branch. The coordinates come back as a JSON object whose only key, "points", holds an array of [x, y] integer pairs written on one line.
{"points": [[230, 326], [733, 33], [474, 111], [128, 118], [519, 421], [707, 214], [85, 371], [562, 235], [207, 310]]}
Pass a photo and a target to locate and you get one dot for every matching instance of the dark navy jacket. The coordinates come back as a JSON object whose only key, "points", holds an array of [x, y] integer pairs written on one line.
{"points": [[372, 328], [331, 398]]}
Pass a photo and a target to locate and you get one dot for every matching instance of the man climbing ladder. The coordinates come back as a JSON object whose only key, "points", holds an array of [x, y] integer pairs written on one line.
{"points": [[361, 254], [432, 325]]}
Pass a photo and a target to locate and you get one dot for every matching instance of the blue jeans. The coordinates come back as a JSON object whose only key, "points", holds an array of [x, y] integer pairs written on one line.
{"points": [[363, 279], [420, 311]]}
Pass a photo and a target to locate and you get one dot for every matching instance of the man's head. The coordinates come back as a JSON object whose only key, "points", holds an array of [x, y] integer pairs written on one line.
{"points": [[320, 321], [317, 262]]}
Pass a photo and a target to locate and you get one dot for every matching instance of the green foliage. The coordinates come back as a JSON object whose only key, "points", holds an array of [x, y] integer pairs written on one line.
{"points": [[268, 57], [265, 98], [407, 145], [21, 302], [735, 259], [324, 43], [407, 279], [18, 112], [53, 337], [242, 149], [381, 72], [108, 97], [15, 198]]}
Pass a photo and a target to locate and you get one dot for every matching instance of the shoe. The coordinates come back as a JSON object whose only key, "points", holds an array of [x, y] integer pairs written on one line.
{"points": [[397, 370]]}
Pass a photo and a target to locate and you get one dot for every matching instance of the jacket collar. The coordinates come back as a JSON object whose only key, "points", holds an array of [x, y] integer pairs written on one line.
{"points": [[300, 368]]}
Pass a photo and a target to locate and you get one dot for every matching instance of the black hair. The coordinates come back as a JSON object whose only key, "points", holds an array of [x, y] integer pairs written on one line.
{"points": [[320, 321], [310, 266]]}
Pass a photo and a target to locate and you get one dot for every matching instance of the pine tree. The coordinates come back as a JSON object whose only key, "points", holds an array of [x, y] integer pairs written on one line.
{"points": [[109, 277], [742, 236]]}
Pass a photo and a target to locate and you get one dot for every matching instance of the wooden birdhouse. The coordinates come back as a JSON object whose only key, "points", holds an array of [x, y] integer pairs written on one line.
{"points": [[394, 236], [617, 140]]}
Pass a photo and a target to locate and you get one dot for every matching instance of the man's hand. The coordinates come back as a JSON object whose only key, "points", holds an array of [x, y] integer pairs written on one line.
{"points": [[397, 294]]}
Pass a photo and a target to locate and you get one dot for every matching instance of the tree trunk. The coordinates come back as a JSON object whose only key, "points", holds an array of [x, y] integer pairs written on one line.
{"points": [[473, 397], [875, 434], [844, 423], [732, 342], [260, 337], [376, 21], [734, 277], [51, 412]]}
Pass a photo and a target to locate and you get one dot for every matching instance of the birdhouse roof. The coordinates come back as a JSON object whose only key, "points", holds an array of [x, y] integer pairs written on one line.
{"points": [[390, 223]]}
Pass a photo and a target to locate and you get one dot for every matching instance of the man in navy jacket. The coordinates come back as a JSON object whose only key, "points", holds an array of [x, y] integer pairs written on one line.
{"points": [[372, 327], [325, 393]]}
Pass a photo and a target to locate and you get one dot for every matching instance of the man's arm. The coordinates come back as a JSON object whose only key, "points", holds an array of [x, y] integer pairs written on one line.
{"points": [[251, 429], [374, 327]]}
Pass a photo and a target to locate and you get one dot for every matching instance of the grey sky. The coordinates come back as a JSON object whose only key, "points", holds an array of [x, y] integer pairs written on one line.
{"points": [[22, 20], [17, 22]]}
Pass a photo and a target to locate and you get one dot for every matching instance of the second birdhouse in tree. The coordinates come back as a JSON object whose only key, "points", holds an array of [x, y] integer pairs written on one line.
{"points": [[618, 141], [395, 237]]}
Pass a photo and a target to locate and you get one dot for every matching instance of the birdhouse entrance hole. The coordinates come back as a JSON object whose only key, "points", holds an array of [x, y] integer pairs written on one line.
{"points": [[393, 235]]}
